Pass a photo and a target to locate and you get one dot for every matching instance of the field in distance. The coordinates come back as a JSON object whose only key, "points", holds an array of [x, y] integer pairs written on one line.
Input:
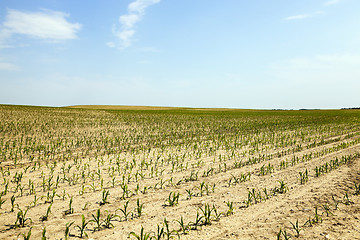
{"points": [[128, 172]]}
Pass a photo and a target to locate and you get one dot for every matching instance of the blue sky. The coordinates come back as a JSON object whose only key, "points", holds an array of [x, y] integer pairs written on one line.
{"points": [[193, 53]]}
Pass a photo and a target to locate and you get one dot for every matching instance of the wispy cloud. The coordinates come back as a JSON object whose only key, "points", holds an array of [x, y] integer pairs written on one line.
{"points": [[46, 24], [303, 16], [136, 11], [300, 16], [4, 66], [331, 2]]}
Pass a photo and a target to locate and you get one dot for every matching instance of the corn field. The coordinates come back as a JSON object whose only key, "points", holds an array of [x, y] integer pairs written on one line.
{"points": [[179, 173]]}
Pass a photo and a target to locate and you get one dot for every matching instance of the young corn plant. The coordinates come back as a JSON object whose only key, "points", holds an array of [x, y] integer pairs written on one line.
{"points": [[198, 221], [167, 232], [2, 201], [109, 217], [327, 210], [21, 218], [159, 233], [304, 178], [105, 195], [70, 210], [296, 228], [67, 230], [125, 211], [173, 199], [82, 227], [190, 194], [282, 188], [206, 211], [13, 205], [28, 235], [142, 235], [230, 209], [184, 228], [97, 220], [217, 215], [347, 200], [43, 234], [315, 219], [356, 186], [46, 216], [139, 208]]}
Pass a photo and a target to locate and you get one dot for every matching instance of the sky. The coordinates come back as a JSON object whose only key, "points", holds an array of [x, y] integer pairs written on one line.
{"points": [[256, 54]]}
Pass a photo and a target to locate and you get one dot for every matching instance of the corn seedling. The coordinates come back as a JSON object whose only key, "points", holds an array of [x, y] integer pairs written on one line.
{"points": [[356, 186], [167, 232], [28, 235], [173, 199], [327, 210], [96, 219], [105, 195], [315, 219], [159, 233], [43, 234], [139, 208], [347, 200], [67, 229], [82, 227], [142, 235], [12, 200], [2, 201], [109, 217], [282, 188], [70, 210], [304, 178], [125, 211], [198, 221], [21, 218], [184, 228], [190, 193], [296, 228], [285, 235], [230, 209], [206, 211], [46, 216], [217, 215]]}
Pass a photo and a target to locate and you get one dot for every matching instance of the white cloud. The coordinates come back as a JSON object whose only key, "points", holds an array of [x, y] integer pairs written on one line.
{"points": [[48, 25], [303, 16], [331, 2], [8, 67], [300, 16], [136, 11]]}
